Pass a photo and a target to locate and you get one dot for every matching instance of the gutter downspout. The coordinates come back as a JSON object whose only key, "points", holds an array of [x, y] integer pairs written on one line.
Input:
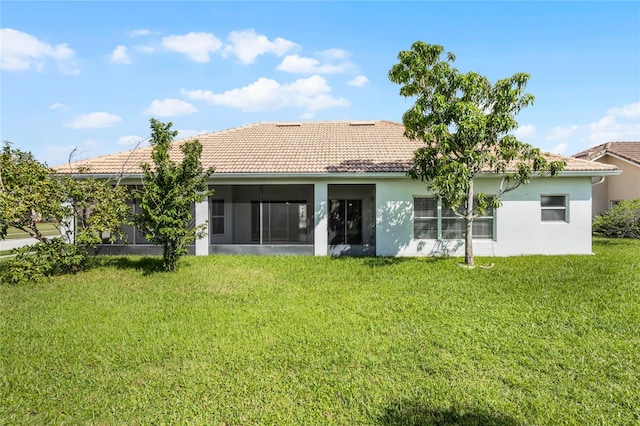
{"points": [[598, 182]]}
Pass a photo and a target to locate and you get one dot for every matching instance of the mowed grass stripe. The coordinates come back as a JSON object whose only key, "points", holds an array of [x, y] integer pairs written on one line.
{"points": [[306, 340]]}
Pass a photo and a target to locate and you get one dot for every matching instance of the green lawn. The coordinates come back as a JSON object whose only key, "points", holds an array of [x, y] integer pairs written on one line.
{"points": [[47, 229], [302, 340]]}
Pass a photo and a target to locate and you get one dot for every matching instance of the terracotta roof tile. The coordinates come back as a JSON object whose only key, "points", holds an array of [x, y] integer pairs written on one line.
{"points": [[299, 148], [628, 150]]}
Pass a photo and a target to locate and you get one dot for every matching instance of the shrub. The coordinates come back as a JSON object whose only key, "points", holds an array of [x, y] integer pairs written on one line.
{"points": [[622, 221], [44, 259]]}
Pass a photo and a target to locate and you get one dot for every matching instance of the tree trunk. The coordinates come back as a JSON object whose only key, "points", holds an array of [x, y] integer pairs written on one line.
{"points": [[468, 229]]}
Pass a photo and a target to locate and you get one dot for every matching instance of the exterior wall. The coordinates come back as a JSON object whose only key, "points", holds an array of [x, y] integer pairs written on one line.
{"points": [[625, 186], [518, 229], [518, 226]]}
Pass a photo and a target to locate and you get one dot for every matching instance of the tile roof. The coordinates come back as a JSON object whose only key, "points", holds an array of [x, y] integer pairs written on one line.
{"points": [[297, 148], [628, 150]]}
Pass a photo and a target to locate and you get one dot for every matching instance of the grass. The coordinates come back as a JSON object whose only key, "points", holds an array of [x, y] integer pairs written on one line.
{"points": [[47, 229], [310, 340]]}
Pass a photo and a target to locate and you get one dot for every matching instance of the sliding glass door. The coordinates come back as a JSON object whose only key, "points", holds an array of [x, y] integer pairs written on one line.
{"points": [[345, 222], [282, 222]]}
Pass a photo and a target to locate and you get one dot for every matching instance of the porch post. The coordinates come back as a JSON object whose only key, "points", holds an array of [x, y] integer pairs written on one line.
{"points": [[321, 210], [68, 225], [202, 215]]}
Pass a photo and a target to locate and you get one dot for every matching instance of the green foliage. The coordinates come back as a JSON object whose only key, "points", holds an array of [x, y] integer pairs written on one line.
{"points": [[169, 192], [30, 192], [294, 340], [43, 259], [99, 207], [465, 121], [622, 221]]}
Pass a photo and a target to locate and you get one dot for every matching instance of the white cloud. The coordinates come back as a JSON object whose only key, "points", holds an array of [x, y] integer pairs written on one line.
{"points": [[560, 132], [629, 111], [525, 131], [129, 140], [197, 46], [21, 51], [266, 94], [144, 48], [247, 45], [59, 106], [560, 149], [358, 81], [333, 54], [170, 108], [617, 124], [120, 55], [94, 120], [301, 65], [139, 33]]}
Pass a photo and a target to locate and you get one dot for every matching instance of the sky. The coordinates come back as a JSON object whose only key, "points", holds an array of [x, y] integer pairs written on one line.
{"points": [[89, 75]]}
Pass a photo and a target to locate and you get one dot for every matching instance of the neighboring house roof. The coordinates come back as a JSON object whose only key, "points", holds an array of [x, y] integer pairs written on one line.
{"points": [[629, 151], [295, 148]]}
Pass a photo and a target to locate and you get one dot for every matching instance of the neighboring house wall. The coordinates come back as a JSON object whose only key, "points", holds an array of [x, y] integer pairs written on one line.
{"points": [[625, 186]]}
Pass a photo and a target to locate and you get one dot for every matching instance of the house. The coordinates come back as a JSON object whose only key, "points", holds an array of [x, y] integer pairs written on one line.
{"points": [[332, 188], [626, 186]]}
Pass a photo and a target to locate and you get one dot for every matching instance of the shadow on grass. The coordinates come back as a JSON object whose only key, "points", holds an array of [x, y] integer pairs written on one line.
{"points": [[148, 265], [417, 414], [382, 261], [610, 242]]}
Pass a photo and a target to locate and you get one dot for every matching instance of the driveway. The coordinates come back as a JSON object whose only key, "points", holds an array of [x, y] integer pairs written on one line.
{"points": [[21, 242]]}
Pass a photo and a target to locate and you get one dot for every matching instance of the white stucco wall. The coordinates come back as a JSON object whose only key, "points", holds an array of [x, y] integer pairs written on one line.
{"points": [[519, 229], [518, 225]]}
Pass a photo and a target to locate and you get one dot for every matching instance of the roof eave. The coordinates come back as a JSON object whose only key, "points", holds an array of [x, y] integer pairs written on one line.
{"points": [[619, 157], [319, 175]]}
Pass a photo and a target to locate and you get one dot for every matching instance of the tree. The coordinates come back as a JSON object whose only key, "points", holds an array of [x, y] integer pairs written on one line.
{"points": [[464, 122], [621, 221], [28, 194], [169, 190], [31, 192]]}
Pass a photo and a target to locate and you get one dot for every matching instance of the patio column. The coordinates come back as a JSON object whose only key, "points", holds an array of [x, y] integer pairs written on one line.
{"points": [[202, 215], [321, 212], [68, 225]]}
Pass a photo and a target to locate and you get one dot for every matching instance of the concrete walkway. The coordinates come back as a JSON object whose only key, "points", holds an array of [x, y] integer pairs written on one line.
{"points": [[21, 242]]}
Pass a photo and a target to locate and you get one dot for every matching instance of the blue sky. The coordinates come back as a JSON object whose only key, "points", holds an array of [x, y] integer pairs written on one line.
{"points": [[91, 74]]}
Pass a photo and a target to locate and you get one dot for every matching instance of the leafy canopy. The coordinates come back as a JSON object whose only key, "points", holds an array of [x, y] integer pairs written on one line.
{"points": [[621, 221], [30, 192], [464, 121], [169, 191]]}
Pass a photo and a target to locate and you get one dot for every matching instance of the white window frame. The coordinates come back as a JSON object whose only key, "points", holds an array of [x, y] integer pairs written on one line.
{"points": [[439, 217], [564, 207]]}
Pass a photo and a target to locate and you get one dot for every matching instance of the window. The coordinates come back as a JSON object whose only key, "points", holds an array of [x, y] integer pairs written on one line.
{"points": [[433, 221], [217, 217], [345, 222], [553, 208]]}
